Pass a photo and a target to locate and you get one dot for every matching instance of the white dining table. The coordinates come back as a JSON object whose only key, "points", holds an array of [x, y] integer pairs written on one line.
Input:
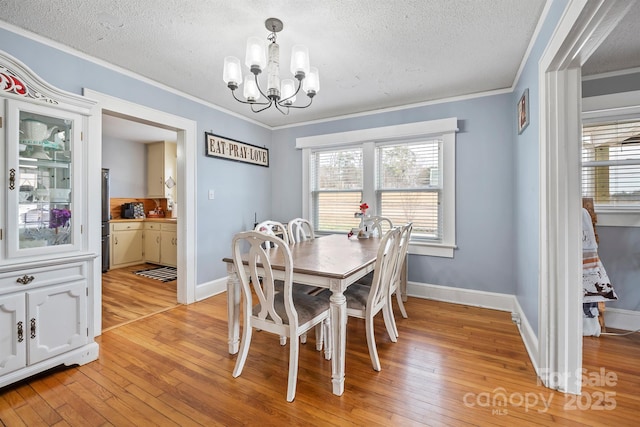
{"points": [[334, 262]]}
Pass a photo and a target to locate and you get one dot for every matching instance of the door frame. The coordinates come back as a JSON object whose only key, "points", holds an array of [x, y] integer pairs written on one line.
{"points": [[186, 130], [583, 27]]}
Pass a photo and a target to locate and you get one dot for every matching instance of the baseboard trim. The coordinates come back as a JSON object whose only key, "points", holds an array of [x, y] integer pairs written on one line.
{"points": [[471, 297], [618, 318], [209, 289]]}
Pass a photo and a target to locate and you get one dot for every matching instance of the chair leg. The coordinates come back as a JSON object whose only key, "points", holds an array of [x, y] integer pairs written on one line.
{"points": [[403, 311], [303, 338], [390, 321], [319, 336], [327, 338], [294, 346], [244, 349], [283, 340], [371, 342]]}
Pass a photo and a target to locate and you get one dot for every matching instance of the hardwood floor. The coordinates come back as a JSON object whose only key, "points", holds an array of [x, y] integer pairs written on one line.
{"points": [[450, 367], [127, 297]]}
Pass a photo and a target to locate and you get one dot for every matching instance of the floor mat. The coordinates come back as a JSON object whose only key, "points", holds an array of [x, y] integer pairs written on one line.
{"points": [[164, 274]]}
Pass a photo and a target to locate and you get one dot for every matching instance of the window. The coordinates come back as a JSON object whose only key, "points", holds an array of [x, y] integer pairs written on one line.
{"points": [[610, 157], [408, 188], [405, 172], [336, 189], [611, 163]]}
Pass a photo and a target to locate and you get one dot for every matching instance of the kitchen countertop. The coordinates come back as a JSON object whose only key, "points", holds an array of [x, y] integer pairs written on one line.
{"points": [[168, 220]]}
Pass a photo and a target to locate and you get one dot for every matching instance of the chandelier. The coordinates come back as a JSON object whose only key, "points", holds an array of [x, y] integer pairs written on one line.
{"points": [[280, 94]]}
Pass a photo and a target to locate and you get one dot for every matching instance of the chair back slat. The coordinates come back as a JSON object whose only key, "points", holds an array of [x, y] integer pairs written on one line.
{"points": [[262, 246], [300, 230]]}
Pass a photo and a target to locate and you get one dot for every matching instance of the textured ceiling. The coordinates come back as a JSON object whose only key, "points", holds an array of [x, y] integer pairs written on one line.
{"points": [[371, 54]]}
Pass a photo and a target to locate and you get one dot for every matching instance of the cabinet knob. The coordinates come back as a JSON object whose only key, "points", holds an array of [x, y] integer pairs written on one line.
{"points": [[33, 327], [25, 280]]}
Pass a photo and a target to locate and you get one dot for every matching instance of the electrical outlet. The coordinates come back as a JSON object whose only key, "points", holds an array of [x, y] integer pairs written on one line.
{"points": [[212, 194], [515, 318]]}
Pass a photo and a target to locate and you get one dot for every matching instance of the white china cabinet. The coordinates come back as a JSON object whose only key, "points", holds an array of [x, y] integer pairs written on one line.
{"points": [[46, 269]]}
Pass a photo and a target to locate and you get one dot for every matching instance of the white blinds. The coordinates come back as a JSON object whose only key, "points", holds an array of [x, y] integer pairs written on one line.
{"points": [[336, 188], [611, 163], [409, 186]]}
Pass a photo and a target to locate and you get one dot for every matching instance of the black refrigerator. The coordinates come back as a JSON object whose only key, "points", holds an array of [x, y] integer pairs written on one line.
{"points": [[105, 220]]}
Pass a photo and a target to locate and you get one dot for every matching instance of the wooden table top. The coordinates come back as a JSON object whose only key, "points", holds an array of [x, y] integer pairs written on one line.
{"points": [[333, 256]]}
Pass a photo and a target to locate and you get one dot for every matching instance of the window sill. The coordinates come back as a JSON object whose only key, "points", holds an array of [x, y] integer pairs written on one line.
{"points": [[618, 217], [431, 249]]}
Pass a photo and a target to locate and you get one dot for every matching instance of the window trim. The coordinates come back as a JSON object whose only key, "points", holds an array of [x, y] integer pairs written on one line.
{"points": [[368, 138], [598, 109]]}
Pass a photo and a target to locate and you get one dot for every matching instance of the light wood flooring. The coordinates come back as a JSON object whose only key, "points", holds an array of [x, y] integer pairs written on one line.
{"points": [[450, 367], [127, 297]]}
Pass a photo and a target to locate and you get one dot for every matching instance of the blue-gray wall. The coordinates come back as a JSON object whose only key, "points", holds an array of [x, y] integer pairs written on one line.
{"points": [[526, 174], [484, 188]]}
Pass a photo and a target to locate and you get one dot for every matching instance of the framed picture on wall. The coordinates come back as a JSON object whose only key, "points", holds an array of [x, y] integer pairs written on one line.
{"points": [[523, 111]]}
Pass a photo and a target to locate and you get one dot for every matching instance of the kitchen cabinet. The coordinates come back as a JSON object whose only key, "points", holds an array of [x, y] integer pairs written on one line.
{"points": [[152, 242], [46, 262], [126, 243], [161, 171], [161, 243], [169, 244]]}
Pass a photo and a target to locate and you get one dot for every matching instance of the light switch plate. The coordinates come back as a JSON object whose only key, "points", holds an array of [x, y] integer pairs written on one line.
{"points": [[212, 194]]}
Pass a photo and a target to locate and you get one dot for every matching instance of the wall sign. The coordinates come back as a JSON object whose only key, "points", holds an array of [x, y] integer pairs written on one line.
{"points": [[225, 148]]}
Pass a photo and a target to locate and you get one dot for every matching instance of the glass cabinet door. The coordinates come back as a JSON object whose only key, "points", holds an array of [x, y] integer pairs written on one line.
{"points": [[41, 148]]}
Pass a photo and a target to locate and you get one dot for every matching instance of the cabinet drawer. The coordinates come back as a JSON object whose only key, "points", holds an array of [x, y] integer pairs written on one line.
{"points": [[169, 227], [123, 226], [43, 276], [152, 226]]}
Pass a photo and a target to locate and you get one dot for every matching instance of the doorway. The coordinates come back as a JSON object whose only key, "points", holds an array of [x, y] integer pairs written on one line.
{"points": [[186, 184]]}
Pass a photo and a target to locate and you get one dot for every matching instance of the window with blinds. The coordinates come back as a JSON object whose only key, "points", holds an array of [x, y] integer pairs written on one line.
{"points": [[611, 163], [408, 186], [336, 188]]}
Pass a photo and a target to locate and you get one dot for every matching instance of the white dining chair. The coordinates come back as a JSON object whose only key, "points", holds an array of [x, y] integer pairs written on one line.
{"points": [[366, 301], [283, 313], [300, 230], [278, 229], [378, 225], [394, 289], [273, 228]]}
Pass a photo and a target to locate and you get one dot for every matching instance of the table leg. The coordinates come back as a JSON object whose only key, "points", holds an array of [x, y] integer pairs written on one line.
{"points": [[233, 309], [338, 339]]}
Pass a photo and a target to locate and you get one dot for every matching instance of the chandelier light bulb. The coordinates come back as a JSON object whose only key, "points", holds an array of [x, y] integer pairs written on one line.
{"points": [[255, 57], [299, 60], [232, 73], [251, 92], [288, 89], [311, 84]]}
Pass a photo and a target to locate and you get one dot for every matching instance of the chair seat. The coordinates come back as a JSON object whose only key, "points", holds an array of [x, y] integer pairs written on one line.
{"points": [[298, 288], [366, 280], [307, 306]]}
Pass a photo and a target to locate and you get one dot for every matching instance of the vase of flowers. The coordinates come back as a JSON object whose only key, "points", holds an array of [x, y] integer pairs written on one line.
{"points": [[362, 214]]}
